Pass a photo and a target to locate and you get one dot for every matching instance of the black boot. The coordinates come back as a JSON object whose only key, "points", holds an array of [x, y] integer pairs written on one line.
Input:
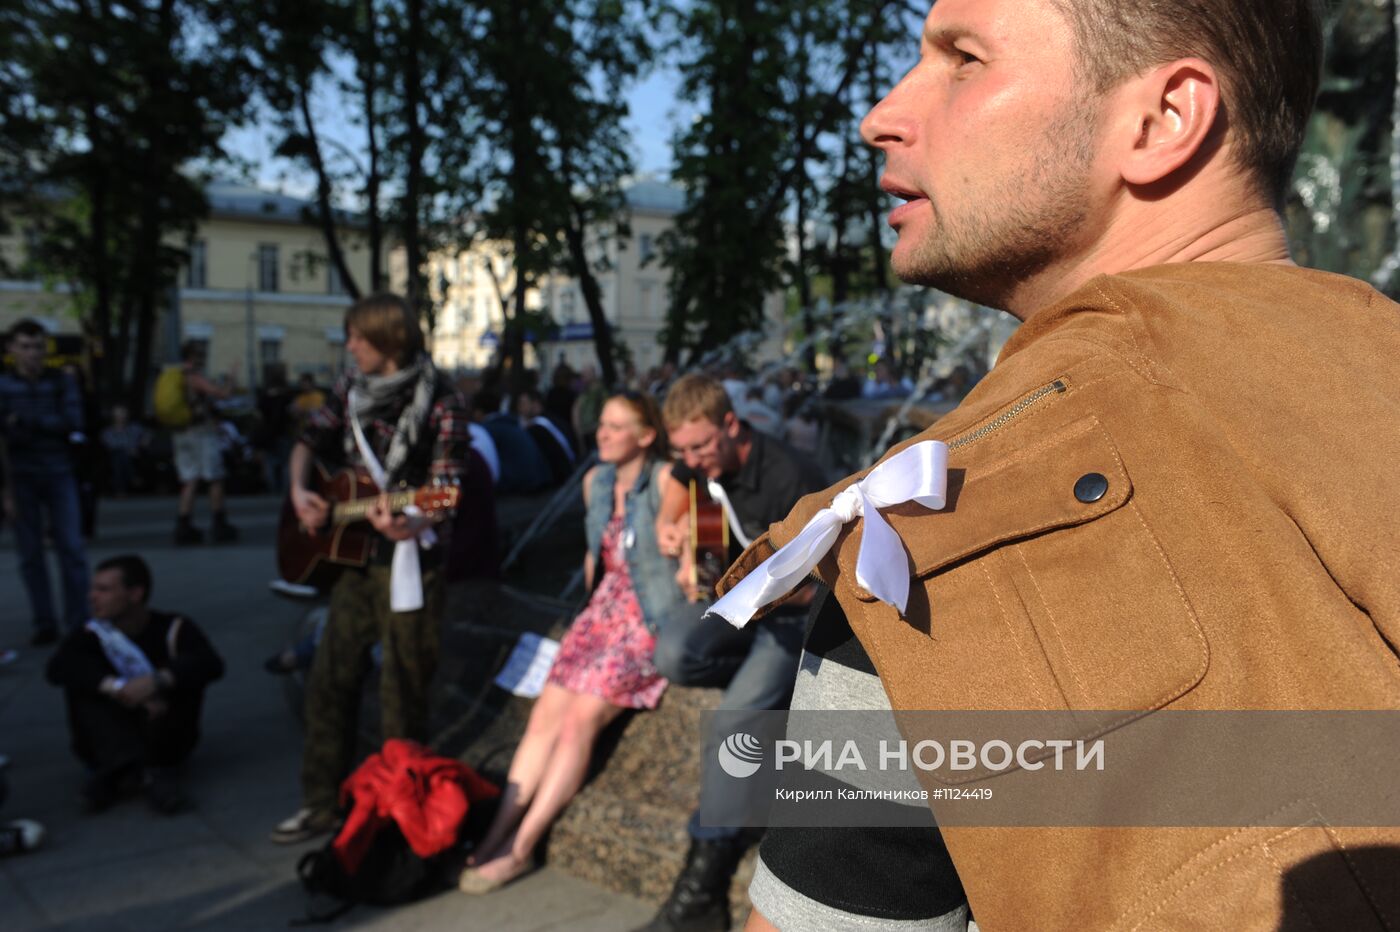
{"points": [[699, 902], [186, 533], [223, 532]]}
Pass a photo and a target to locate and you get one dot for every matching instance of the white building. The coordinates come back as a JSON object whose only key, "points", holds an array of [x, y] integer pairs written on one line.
{"points": [[633, 283]]}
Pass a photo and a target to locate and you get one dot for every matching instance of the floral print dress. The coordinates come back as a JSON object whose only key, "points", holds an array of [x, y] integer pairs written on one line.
{"points": [[607, 651]]}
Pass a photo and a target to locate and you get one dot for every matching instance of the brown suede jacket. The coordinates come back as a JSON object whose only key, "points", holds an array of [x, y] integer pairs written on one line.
{"points": [[1244, 555]]}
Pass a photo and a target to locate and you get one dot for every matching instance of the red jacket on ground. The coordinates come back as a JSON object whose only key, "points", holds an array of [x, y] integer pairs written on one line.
{"points": [[425, 795]]}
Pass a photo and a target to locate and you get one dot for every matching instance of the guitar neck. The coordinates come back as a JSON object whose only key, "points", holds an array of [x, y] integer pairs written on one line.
{"points": [[346, 512]]}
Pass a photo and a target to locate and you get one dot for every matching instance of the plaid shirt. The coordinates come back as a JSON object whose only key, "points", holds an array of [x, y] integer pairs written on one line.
{"points": [[36, 418], [445, 458]]}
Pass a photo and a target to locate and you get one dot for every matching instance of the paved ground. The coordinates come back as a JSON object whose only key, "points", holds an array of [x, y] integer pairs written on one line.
{"points": [[211, 868]]}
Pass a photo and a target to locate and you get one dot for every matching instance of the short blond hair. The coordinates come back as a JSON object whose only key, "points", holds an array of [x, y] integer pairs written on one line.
{"points": [[694, 397]]}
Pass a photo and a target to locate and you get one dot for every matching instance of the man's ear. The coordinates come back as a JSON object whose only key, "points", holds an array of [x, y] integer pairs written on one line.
{"points": [[731, 424], [1169, 115]]}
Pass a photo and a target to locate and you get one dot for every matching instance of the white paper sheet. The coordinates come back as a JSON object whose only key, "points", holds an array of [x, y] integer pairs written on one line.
{"points": [[528, 665]]}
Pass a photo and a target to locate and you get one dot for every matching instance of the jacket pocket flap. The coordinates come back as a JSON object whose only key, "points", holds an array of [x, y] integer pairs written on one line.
{"points": [[1069, 478]]}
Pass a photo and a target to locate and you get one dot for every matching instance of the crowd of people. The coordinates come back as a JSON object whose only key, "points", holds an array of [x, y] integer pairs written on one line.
{"points": [[642, 628], [1169, 493]]}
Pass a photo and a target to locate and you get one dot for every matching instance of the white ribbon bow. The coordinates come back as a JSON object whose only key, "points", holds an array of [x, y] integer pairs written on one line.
{"points": [[916, 474]]}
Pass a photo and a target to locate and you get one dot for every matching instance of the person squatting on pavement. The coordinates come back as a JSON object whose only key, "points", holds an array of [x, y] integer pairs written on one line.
{"points": [[1172, 491], [134, 680]]}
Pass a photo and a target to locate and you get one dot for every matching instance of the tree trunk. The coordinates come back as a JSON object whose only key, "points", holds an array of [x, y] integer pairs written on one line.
{"points": [[802, 186], [370, 59], [879, 264], [324, 210], [148, 283], [592, 297], [413, 183], [107, 372]]}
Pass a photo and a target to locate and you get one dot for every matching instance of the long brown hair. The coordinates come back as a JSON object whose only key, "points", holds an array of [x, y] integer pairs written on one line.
{"points": [[649, 417]]}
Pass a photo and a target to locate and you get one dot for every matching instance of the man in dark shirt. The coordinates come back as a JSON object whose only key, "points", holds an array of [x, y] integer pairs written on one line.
{"points": [[413, 426], [134, 682], [757, 478], [40, 410]]}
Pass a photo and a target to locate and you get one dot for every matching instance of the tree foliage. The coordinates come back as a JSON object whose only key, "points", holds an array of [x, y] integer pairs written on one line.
{"points": [[1340, 207], [779, 86], [112, 106]]}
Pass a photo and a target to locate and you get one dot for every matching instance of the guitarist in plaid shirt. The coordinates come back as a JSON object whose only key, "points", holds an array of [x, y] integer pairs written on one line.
{"points": [[415, 426]]}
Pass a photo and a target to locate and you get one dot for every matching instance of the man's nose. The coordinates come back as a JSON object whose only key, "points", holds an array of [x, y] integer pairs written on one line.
{"points": [[886, 126]]}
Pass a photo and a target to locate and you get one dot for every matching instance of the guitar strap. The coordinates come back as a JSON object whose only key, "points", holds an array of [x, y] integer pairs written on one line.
{"points": [[717, 493], [405, 571]]}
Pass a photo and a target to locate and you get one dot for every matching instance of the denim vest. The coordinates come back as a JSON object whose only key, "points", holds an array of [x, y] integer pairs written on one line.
{"points": [[653, 576]]}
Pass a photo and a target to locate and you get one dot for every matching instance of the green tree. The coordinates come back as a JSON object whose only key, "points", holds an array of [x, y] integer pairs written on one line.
{"points": [[549, 86], [1342, 203], [118, 101], [773, 81]]}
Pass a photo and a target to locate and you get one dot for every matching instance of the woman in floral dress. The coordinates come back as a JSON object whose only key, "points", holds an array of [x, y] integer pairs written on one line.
{"points": [[604, 664]]}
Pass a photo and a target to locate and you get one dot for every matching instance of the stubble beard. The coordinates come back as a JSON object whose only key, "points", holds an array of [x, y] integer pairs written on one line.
{"points": [[1019, 226]]}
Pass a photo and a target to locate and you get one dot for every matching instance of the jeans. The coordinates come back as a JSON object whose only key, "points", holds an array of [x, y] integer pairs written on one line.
{"points": [[58, 495], [756, 666], [121, 470]]}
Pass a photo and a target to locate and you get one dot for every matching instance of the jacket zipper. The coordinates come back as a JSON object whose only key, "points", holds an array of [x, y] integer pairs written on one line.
{"points": [[1057, 387]]}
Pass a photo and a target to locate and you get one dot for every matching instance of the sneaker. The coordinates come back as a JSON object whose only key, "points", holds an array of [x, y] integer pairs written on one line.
{"points": [[304, 826], [223, 532]]}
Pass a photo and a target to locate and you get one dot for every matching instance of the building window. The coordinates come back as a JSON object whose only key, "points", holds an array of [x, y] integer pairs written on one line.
{"points": [[644, 300], [334, 283], [566, 305], [646, 247], [267, 267], [269, 352], [197, 274]]}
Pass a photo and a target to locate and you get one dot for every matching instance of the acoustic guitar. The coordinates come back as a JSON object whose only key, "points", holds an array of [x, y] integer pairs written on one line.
{"points": [[709, 541], [344, 540]]}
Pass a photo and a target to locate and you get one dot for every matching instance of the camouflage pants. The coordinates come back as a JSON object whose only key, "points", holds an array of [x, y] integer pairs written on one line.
{"points": [[360, 616]]}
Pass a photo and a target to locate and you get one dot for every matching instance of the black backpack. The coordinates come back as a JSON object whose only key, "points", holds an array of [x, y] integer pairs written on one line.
{"points": [[390, 874]]}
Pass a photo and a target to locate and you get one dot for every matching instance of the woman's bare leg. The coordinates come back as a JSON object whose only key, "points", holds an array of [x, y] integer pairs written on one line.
{"points": [[527, 767], [583, 721]]}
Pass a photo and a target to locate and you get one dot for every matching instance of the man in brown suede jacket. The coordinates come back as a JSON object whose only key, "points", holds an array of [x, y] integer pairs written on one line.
{"points": [[1177, 489]]}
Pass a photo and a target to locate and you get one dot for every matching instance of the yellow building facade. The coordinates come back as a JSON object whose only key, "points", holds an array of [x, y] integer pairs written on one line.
{"points": [[258, 289]]}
